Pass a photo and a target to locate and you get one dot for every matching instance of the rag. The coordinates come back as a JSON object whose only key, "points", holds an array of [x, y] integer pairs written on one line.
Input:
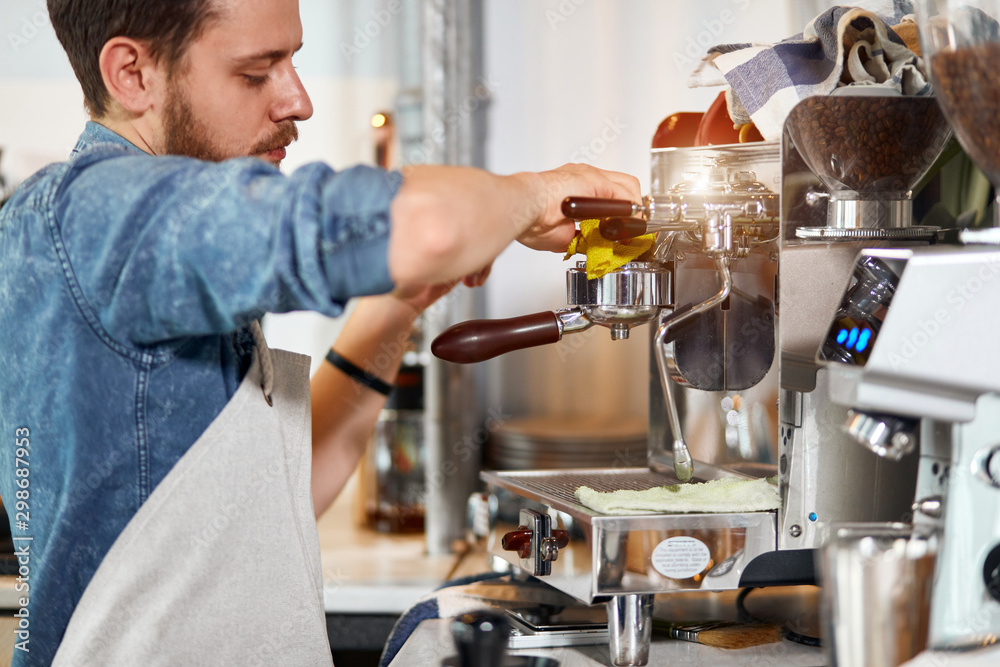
{"points": [[844, 46], [604, 256], [729, 494]]}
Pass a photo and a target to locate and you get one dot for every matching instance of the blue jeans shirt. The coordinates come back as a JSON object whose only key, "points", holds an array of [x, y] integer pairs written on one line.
{"points": [[127, 285]]}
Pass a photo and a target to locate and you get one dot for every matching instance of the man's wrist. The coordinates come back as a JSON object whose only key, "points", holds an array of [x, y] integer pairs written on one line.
{"points": [[391, 312], [530, 189], [358, 374]]}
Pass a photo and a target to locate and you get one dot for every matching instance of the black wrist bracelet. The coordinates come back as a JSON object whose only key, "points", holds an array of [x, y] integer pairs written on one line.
{"points": [[367, 379]]}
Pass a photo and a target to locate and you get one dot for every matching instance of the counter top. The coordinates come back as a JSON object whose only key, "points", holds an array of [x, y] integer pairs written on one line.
{"points": [[431, 642], [794, 607], [367, 572]]}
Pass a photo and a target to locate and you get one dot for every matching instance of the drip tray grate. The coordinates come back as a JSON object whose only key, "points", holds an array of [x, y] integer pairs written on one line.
{"points": [[557, 487]]}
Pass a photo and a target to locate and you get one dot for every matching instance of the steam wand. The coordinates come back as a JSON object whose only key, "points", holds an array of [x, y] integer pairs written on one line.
{"points": [[683, 467]]}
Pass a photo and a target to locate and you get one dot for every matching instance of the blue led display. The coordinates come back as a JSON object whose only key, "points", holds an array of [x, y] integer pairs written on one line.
{"points": [[852, 338], [863, 339], [841, 336]]}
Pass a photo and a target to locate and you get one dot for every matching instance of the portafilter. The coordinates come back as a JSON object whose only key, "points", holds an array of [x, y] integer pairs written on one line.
{"points": [[619, 300]]}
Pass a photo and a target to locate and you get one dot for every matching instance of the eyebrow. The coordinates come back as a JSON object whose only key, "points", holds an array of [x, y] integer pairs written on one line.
{"points": [[269, 56]]}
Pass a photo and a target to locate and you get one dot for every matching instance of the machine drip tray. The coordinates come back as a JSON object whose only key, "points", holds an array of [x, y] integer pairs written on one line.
{"points": [[556, 488], [546, 626]]}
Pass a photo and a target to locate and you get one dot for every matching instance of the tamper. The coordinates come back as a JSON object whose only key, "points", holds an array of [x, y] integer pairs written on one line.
{"points": [[481, 639]]}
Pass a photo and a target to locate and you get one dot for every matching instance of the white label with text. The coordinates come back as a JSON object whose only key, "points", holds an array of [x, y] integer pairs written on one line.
{"points": [[680, 557]]}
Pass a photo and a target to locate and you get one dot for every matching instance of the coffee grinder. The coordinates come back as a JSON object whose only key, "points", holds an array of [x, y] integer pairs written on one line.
{"points": [[909, 353], [851, 162]]}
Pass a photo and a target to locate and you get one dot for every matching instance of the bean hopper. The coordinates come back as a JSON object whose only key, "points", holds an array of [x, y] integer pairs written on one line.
{"points": [[734, 380]]}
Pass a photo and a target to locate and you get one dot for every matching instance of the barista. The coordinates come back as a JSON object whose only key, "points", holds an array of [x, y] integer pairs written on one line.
{"points": [[163, 449]]}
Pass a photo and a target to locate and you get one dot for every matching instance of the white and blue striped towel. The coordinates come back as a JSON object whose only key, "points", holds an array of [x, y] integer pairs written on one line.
{"points": [[842, 46]]}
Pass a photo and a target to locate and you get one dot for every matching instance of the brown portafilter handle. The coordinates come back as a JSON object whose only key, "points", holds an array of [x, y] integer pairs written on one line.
{"points": [[589, 208], [479, 340], [622, 229]]}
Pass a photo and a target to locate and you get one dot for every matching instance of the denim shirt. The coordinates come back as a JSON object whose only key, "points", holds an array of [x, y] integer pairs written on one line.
{"points": [[127, 285]]}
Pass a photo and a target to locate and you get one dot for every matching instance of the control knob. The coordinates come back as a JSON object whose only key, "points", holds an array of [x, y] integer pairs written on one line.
{"points": [[991, 572]]}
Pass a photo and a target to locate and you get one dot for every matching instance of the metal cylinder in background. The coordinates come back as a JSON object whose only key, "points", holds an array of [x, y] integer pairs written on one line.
{"points": [[630, 627], [441, 106], [876, 591]]}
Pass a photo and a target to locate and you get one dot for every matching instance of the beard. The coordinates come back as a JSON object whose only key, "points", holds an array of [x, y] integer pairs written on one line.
{"points": [[188, 136]]}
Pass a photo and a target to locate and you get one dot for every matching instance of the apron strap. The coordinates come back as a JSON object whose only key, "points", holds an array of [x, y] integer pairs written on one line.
{"points": [[263, 353]]}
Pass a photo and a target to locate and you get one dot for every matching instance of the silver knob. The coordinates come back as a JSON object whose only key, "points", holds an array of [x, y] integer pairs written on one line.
{"points": [[814, 198], [549, 549], [986, 465], [889, 437], [930, 506]]}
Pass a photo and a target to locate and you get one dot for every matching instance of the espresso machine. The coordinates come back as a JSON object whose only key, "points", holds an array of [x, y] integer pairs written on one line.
{"points": [[754, 243]]}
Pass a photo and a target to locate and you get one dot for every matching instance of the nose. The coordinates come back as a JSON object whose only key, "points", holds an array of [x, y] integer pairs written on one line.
{"points": [[292, 102]]}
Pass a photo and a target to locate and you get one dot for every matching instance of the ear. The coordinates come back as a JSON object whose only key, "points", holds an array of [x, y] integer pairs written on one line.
{"points": [[131, 76]]}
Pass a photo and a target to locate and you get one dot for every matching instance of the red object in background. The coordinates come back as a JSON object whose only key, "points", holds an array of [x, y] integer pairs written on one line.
{"points": [[694, 128], [717, 127], [678, 130], [753, 135]]}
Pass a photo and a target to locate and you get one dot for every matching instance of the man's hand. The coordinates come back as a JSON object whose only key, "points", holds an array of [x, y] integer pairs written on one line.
{"points": [[419, 298], [422, 297], [449, 222], [551, 230]]}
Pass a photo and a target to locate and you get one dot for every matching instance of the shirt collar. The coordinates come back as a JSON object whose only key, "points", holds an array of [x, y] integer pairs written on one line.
{"points": [[95, 134]]}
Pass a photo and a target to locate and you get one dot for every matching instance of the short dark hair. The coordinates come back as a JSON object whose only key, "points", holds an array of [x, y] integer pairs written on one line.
{"points": [[167, 27]]}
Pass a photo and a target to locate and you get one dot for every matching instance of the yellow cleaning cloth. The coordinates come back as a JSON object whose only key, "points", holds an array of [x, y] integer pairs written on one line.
{"points": [[729, 494], [604, 256]]}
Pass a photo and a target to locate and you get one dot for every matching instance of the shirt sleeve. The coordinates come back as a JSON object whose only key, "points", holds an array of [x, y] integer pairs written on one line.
{"points": [[168, 247]]}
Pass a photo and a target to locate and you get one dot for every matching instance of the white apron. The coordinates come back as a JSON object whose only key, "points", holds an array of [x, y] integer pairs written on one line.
{"points": [[221, 565]]}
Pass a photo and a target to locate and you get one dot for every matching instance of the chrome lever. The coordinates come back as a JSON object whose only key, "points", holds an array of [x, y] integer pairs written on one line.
{"points": [[683, 463]]}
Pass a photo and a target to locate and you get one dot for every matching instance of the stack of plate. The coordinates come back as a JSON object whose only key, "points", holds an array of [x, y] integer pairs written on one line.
{"points": [[550, 443]]}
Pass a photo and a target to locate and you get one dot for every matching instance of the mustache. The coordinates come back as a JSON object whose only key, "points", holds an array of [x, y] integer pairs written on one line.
{"points": [[284, 135]]}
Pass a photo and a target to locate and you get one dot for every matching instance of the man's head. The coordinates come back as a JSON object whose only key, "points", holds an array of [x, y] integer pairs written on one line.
{"points": [[211, 79]]}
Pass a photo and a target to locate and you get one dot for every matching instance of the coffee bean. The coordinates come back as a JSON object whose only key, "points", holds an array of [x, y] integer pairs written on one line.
{"points": [[967, 83], [873, 145]]}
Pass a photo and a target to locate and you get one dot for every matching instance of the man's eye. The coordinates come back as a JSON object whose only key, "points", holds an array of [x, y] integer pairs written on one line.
{"points": [[255, 81]]}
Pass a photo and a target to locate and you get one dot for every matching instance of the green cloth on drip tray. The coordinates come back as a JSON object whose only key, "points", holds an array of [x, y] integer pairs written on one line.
{"points": [[730, 494]]}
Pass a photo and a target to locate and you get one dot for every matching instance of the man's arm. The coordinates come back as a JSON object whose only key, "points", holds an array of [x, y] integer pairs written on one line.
{"points": [[450, 221], [193, 248], [344, 410]]}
